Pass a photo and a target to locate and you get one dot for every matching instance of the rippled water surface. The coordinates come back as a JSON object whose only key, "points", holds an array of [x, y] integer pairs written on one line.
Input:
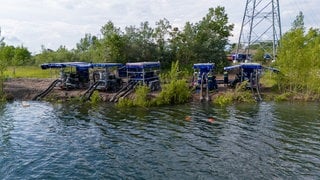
{"points": [[193, 141]]}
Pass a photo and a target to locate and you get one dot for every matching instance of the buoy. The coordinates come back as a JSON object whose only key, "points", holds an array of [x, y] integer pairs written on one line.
{"points": [[25, 104], [210, 119], [188, 118]]}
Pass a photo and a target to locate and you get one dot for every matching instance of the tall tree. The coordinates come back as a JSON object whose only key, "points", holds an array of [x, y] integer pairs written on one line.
{"points": [[298, 23], [185, 42], [21, 56], [161, 34], [113, 44], [212, 36], [63, 55], [299, 58]]}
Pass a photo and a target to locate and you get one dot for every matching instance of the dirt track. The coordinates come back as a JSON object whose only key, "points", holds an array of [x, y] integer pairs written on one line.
{"points": [[28, 88]]}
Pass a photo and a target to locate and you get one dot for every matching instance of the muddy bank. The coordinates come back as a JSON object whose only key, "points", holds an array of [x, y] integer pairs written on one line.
{"points": [[27, 88]]}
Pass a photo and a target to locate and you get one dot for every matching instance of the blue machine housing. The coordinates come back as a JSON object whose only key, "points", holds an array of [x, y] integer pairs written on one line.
{"points": [[247, 70], [204, 67], [82, 68], [107, 80], [66, 64], [144, 72], [106, 65], [204, 75]]}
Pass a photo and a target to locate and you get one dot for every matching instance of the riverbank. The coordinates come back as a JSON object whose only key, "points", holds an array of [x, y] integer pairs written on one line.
{"points": [[28, 88]]}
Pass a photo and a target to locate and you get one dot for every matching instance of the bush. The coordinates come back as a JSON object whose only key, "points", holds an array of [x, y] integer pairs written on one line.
{"points": [[176, 92], [95, 98], [223, 99], [140, 99]]}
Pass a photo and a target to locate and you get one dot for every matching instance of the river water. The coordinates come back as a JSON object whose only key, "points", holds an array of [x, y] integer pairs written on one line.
{"points": [[192, 141]]}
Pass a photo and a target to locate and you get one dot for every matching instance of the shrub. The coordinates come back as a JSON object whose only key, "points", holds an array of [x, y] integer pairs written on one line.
{"points": [[140, 99], [176, 92], [95, 98], [223, 99], [124, 102]]}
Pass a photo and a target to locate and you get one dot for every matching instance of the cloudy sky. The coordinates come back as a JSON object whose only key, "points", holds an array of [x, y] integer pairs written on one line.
{"points": [[52, 23]]}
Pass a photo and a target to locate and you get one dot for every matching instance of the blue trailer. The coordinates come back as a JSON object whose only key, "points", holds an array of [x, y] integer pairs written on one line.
{"points": [[76, 78], [250, 72], [139, 73], [146, 73], [106, 76], [204, 78]]}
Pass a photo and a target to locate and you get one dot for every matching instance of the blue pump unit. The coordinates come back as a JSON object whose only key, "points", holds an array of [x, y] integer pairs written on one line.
{"points": [[248, 71], [203, 75], [145, 73]]}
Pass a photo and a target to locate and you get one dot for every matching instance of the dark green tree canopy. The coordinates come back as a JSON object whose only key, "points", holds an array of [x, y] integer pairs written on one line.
{"points": [[203, 41]]}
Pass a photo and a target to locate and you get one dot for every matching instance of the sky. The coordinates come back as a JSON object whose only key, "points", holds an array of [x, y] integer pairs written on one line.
{"points": [[52, 23]]}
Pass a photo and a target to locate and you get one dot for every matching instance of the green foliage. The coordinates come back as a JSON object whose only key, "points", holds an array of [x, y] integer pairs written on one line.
{"points": [[299, 60], [60, 55], [95, 98], [240, 95], [283, 97], [141, 96], [204, 41], [30, 72], [176, 91], [3, 66], [124, 102], [223, 99], [298, 23], [245, 97], [140, 99]]}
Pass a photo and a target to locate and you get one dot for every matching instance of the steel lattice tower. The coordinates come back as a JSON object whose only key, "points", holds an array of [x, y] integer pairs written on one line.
{"points": [[261, 25]]}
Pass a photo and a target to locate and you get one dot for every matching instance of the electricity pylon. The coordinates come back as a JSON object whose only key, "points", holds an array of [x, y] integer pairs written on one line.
{"points": [[261, 26]]}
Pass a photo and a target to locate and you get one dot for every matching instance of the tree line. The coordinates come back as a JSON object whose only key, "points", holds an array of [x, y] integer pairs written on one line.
{"points": [[203, 41]]}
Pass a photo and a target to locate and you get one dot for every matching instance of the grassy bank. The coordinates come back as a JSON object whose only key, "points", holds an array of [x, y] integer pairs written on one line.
{"points": [[30, 72]]}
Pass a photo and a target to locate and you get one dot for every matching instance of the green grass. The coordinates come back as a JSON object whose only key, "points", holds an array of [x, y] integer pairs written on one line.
{"points": [[30, 72]]}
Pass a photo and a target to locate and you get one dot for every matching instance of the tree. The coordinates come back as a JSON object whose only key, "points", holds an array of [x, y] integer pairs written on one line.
{"points": [[3, 65], [212, 37], [21, 56], [46, 56], [63, 55], [299, 58], [113, 44], [185, 42], [87, 49], [161, 35], [298, 23]]}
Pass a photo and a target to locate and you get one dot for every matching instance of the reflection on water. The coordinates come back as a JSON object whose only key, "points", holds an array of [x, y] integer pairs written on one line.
{"points": [[193, 141]]}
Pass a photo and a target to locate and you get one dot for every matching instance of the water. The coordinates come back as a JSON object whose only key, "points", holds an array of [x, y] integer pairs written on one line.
{"points": [[244, 141]]}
